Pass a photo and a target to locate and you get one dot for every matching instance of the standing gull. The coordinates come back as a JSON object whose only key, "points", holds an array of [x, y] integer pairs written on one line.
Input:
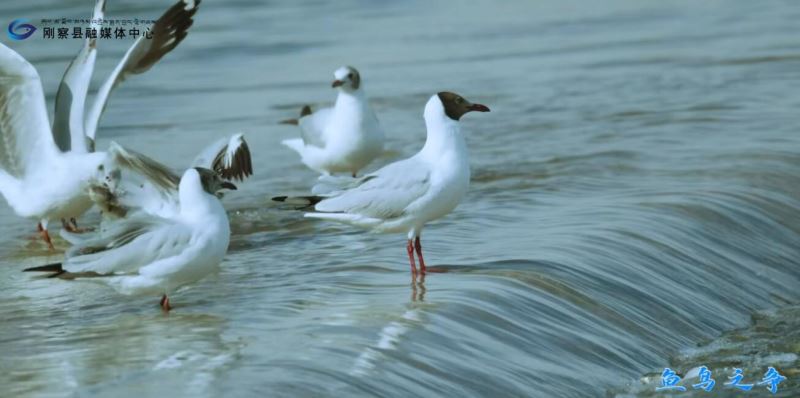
{"points": [[403, 196], [148, 254], [341, 139]]}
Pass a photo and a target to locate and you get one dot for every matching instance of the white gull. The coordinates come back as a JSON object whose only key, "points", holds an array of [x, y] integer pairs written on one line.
{"points": [[44, 172], [148, 254], [341, 139]]}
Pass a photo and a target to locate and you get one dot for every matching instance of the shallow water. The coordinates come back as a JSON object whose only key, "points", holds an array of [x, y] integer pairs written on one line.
{"points": [[635, 194]]}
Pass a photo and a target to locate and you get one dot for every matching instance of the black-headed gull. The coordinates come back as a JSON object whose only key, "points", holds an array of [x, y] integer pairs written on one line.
{"points": [[156, 190], [404, 195], [45, 172], [148, 254], [341, 139]]}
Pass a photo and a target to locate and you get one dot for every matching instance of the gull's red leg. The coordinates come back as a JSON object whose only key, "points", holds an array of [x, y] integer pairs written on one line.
{"points": [[75, 228], [39, 229], [410, 249], [418, 246], [165, 303], [45, 236]]}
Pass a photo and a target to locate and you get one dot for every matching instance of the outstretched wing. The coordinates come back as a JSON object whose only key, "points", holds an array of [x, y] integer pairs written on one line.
{"points": [[155, 172], [68, 129], [386, 193], [229, 157], [25, 137], [167, 32]]}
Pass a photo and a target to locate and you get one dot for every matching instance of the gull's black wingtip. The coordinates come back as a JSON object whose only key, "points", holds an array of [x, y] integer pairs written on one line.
{"points": [[55, 268], [304, 203], [303, 200]]}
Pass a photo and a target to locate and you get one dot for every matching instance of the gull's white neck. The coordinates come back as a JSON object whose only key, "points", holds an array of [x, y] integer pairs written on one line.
{"points": [[195, 203], [444, 134], [349, 99]]}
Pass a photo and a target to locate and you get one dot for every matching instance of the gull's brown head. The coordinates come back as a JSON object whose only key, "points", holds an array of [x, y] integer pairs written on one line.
{"points": [[212, 182], [456, 106]]}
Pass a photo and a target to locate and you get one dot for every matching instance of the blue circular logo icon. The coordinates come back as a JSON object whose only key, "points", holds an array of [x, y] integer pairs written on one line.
{"points": [[18, 29]]}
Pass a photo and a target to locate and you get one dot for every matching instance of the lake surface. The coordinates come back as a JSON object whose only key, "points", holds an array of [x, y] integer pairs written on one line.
{"points": [[635, 204]]}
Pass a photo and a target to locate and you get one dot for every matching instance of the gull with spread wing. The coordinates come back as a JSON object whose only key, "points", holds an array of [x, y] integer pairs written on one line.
{"points": [[149, 254], [153, 186], [44, 172]]}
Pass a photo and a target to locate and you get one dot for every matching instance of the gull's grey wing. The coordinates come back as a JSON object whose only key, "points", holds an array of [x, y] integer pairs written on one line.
{"points": [[229, 157], [158, 174], [68, 129], [167, 32], [25, 136], [117, 235], [128, 245], [386, 193], [332, 185]]}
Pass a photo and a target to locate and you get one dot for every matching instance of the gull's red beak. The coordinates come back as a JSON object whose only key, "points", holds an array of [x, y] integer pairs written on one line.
{"points": [[337, 83], [479, 108]]}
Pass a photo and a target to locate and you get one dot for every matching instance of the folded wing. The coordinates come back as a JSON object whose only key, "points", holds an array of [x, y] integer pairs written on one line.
{"points": [[128, 245], [385, 194], [312, 127]]}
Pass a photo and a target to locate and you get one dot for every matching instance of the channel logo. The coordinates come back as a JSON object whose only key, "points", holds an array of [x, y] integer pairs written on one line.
{"points": [[19, 29]]}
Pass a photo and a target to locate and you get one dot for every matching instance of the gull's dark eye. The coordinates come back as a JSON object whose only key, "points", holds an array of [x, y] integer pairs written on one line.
{"points": [[100, 167], [350, 75]]}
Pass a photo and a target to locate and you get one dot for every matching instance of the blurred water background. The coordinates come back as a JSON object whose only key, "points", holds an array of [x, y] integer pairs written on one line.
{"points": [[635, 204]]}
